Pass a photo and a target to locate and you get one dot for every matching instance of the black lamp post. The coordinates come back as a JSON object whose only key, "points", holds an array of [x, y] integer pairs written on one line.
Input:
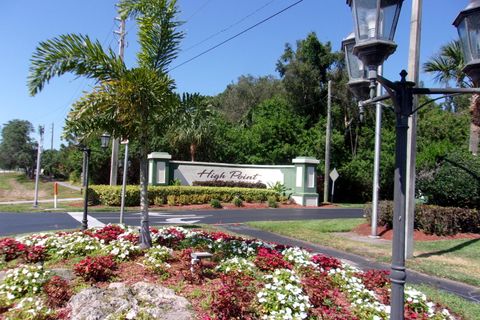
{"points": [[375, 23], [104, 139]]}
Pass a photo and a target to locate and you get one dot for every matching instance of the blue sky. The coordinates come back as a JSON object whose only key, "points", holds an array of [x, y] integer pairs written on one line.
{"points": [[25, 23]]}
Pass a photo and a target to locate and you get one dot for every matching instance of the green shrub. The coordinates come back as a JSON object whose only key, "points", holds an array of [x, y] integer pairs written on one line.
{"points": [[215, 203], [385, 213], [431, 219], [237, 202], [272, 202], [174, 195], [171, 200], [446, 220], [454, 182]]}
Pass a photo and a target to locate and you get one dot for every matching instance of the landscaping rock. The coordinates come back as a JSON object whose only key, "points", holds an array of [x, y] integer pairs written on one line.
{"points": [[66, 274], [119, 298]]}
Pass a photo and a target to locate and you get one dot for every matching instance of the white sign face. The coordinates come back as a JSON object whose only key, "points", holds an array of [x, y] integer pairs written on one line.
{"points": [[187, 174], [334, 174], [161, 172]]}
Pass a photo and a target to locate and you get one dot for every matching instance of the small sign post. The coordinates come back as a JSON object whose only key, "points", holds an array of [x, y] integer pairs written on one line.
{"points": [[334, 176], [55, 194]]}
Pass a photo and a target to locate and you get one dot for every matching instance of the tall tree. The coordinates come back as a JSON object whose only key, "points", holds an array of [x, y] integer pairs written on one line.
{"points": [[125, 102], [447, 66], [304, 73], [236, 101], [17, 150]]}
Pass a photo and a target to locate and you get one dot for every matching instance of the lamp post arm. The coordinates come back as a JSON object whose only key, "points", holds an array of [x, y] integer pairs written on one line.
{"points": [[433, 100], [383, 97]]}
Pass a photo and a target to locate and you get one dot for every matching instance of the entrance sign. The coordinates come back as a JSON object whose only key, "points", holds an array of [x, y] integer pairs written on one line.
{"points": [[300, 177], [188, 172]]}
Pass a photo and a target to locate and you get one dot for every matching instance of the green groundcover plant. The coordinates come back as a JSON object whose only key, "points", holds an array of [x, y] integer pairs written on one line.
{"points": [[245, 279]]}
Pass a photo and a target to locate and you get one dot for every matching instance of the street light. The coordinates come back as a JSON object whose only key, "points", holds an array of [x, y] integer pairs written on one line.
{"points": [[468, 26], [360, 86], [358, 83], [104, 139], [375, 23]]}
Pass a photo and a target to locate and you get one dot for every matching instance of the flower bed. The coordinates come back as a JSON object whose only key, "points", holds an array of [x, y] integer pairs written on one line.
{"points": [[245, 279]]}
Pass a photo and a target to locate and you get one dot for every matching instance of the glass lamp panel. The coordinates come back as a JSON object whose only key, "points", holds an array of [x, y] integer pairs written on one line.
{"points": [[464, 40], [354, 65], [365, 12], [389, 12], [473, 29]]}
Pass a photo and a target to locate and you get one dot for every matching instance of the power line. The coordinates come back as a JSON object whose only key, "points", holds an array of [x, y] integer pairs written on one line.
{"points": [[236, 35], [198, 10], [229, 27]]}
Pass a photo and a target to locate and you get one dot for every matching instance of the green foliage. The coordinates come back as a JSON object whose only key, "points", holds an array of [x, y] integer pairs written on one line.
{"points": [[17, 149], [304, 74], [174, 195], [455, 181], [215, 203], [237, 201], [272, 202], [274, 134], [436, 220], [280, 189], [176, 182], [238, 99], [192, 127]]}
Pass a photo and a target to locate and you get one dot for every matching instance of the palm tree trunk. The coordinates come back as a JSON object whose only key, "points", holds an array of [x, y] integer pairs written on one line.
{"points": [[474, 124], [145, 239], [193, 151]]}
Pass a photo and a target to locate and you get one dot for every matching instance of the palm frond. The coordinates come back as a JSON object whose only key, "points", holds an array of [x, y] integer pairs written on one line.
{"points": [[157, 30], [72, 53]]}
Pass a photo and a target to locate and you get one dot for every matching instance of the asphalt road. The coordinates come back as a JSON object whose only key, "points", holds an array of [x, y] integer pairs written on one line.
{"points": [[16, 223]]}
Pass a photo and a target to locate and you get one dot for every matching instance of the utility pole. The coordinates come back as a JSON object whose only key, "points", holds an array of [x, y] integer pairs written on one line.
{"points": [[326, 176], [51, 142], [41, 130], [413, 72], [116, 140]]}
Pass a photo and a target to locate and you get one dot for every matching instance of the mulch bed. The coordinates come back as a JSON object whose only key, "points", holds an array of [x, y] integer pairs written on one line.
{"points": [[387, 234]]}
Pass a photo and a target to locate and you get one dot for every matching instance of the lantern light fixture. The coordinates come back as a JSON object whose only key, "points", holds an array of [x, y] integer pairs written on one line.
{"points": [[375, 22], [468, 27], [357, 73]]}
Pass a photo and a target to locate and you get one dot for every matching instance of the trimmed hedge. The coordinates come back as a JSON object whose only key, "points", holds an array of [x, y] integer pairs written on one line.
{"points": [[431, 219], [174, 195], [230, 184]]}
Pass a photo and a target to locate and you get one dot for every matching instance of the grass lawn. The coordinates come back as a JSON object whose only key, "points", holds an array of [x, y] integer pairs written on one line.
{"points": [[16, 186], [451, 259]]}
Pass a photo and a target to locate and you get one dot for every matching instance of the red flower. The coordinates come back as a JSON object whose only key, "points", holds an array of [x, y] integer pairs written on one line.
{"points": [[269, 260], [326, 262], [96, 268], [11, 249]]}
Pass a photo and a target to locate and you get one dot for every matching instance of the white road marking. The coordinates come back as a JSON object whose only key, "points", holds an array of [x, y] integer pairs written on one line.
{"points": [[181, 221], [92, 222]]}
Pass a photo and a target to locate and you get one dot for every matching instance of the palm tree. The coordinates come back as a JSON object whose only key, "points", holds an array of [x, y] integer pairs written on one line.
{"points": [[194, 124], [447, 66], [125, 102]]}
